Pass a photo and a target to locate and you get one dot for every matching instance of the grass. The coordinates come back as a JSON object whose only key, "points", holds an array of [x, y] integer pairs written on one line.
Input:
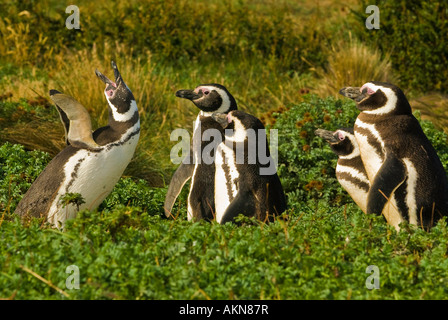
{"points": [[352, 64], [310, 253]]}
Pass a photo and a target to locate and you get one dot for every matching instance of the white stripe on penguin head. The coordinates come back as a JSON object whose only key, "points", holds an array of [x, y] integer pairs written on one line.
{"points": [[390, 95], [225, 105]]}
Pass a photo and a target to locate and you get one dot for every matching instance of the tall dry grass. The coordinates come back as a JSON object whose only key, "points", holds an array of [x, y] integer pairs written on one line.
{"points": [[433, 107], [352, 64]]}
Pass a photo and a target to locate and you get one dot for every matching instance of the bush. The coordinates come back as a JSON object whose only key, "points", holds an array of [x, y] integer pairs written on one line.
{"points": [[306, 162], [352, 64], [135, 194], [414, 34], [128, 254], [172, 30], [18, 170]]}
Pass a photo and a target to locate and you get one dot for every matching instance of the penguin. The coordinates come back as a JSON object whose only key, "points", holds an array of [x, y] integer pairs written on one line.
{"points": [[407, 179], [350, 170], [91, 163], [209, 98], [201, 199], [246, 181]]}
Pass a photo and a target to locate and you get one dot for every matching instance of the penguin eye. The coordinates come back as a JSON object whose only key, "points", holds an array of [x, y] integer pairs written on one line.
{"points": [[206, 92], [341, 136]]}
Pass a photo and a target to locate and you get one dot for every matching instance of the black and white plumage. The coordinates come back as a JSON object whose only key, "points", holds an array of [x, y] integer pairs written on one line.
{"points": [[246, 181], [209, 98], [350, 170], [91, 163], [407, 179]]}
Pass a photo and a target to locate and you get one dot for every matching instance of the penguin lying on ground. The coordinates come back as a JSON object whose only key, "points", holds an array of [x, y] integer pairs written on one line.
{"points": [[91, 163], [246, 181], [208, 98], [350, 170], [407, 179]]}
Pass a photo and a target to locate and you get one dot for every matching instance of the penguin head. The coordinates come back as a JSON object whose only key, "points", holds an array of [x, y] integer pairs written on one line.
{"points": [[238, 123], [342, 141], [210, 98], [378, 98], [119, 96]]}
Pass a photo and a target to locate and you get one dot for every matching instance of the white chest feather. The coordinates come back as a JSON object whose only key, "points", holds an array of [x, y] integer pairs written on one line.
{"points": [[196, 160], [358, 194], [93, 175], [226, 175], [371, 157], [411, 187]]}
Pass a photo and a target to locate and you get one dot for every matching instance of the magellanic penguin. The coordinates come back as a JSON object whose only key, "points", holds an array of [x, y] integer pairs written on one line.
{"points": [[407, 179], [350, 170], [246, 180], [91, 163], [209, 98]]}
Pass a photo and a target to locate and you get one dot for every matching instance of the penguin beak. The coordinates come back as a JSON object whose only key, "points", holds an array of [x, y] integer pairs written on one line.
{"points": [[326, 135], [103, 78], [110, 85], [117, 75], [189, 94], [222, 118], [354, 93]]}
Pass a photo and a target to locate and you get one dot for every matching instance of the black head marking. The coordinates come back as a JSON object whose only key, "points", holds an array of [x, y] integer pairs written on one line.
{"points": [[402, 105], [384, 97], [247, 120], [339, 140], [117, 93], [210, 98], [372, 101]]}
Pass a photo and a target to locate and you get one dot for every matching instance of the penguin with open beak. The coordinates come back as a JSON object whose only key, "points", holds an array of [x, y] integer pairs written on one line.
{"points": [[92, 162]]}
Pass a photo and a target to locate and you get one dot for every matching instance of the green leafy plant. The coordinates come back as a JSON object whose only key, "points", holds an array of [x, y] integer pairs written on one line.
{"points": [[412, 32], [72, 198], [18, 170], [306, 163]]}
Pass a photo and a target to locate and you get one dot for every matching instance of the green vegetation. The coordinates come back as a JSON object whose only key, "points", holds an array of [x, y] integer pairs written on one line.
{"points": [[413, 32], [319, 249], [128, 254], [270, 55]]}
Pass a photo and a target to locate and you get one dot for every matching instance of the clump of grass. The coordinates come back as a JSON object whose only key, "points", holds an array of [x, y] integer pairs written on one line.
{"points": [[352, 64], [433, 107], [44, 135]]}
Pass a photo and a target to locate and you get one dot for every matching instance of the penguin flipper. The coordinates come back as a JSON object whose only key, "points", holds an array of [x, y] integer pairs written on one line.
{"points": [[390, 176], [244, 203], [65, 121], [76, 121], [180, 177], [279, 203]]}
